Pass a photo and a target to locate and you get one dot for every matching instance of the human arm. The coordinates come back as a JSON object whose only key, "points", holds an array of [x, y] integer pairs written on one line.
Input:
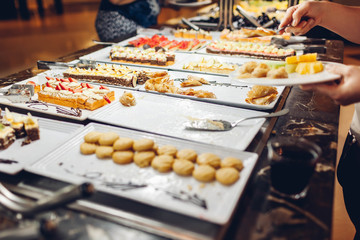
{"points": [[344, 93], [121, 2], [341, 19]]}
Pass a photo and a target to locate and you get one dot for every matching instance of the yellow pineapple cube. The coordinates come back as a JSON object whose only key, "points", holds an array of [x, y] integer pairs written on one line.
{"points": [[290, 68], [310, 57], [303, 68], [291, 60], [316, 67]]}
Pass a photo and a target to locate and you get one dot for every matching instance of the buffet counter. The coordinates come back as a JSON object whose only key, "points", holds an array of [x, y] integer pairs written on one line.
{"points": [[259, 212]]}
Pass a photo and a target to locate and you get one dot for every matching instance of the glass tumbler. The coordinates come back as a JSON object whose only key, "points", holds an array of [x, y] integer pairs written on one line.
{"points": [[292, 162]]}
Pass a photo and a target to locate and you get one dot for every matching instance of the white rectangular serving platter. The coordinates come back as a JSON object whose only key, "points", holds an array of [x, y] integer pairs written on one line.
{"points": [[211, 202], [103, 56], [52, 134], [49, 108], [165, 115], [230, 93]]}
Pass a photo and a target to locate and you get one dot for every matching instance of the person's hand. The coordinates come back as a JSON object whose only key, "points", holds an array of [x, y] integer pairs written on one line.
{"points": [[344, 93], [301, 18]]}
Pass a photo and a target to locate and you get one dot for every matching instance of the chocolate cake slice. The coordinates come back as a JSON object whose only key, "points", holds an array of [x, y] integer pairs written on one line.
{"points": [[32, 128], [7, 136]]}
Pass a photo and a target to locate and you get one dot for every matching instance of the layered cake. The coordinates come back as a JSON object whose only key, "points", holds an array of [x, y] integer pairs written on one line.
{"points": [[31, 127], [7, 136], [249, 49], [185, 33], [143, 56], [112, 74], [210, 65], [68, 92], [164, 42]]}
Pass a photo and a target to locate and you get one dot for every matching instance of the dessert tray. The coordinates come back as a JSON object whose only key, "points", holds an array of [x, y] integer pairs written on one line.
{"points": [[292, 80], [49, 108], [52, 133], [227, 91], [211, 202], [166, 116]]}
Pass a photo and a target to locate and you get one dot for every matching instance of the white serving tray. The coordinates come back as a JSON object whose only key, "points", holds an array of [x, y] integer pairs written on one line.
{"points": [[229, 95], [166, 115], [146, 185], [52, 134], [186, 58], [49, 108]]}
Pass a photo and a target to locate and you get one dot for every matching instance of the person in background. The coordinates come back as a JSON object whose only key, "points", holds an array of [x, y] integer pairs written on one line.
{"points": [[118, 19], [343, 20]]}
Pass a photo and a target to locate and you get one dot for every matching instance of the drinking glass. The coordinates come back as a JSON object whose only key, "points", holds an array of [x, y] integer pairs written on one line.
{"points": [[292, 161]]}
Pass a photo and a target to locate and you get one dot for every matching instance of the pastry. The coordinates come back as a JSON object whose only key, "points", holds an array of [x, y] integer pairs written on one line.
{"points": [[123, 143], [162, 163], [127, 99], [144, 144], [104, 151], [204, 173], [167, 150], [261, 95], [209, 159], [227, 176], [123, 157], [143, 159], [187, 154], [108, 139], [31, 127], [232, 162], [87, 148], [210, 65], [7, 136], [92, 137], [183, 167]]}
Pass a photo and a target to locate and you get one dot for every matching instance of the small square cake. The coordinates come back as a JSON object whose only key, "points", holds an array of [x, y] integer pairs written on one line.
{"points": [[32, 128], [18, 125], [7, 136]]}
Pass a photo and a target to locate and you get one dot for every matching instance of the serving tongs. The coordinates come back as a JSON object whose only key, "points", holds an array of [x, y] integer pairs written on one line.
{"points": [[191, 25], [284, 42], [26, 210], [61, 65], [18, 93]]}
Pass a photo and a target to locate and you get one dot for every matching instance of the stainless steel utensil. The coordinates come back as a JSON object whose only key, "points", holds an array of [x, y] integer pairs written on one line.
{"points": [[188, 23], [61, 65], [283, 42], [222, 125], [18, 93]]}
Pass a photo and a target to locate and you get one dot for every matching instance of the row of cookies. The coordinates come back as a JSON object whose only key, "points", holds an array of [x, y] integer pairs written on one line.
{"points": [[144, 152]]}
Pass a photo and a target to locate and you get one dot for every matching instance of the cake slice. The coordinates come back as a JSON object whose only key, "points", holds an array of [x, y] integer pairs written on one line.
{"points": [[18, 125], [32, 127], [7, 136]]}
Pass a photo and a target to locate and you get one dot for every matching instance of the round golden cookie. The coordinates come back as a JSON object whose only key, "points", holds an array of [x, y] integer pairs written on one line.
{"points": [[92, 137], [123, 144], [188, 154], [204, 173], [123, 157], [143, 144], [144, 158], [104, 151], [209, 159], [227, 175], [232, 162], [183, 167], [108, 139], [167, 150], [87, 148], [162, 163]]}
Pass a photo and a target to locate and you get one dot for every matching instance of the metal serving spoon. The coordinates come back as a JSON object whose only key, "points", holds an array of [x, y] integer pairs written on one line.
{"points": [[222, 125]]}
